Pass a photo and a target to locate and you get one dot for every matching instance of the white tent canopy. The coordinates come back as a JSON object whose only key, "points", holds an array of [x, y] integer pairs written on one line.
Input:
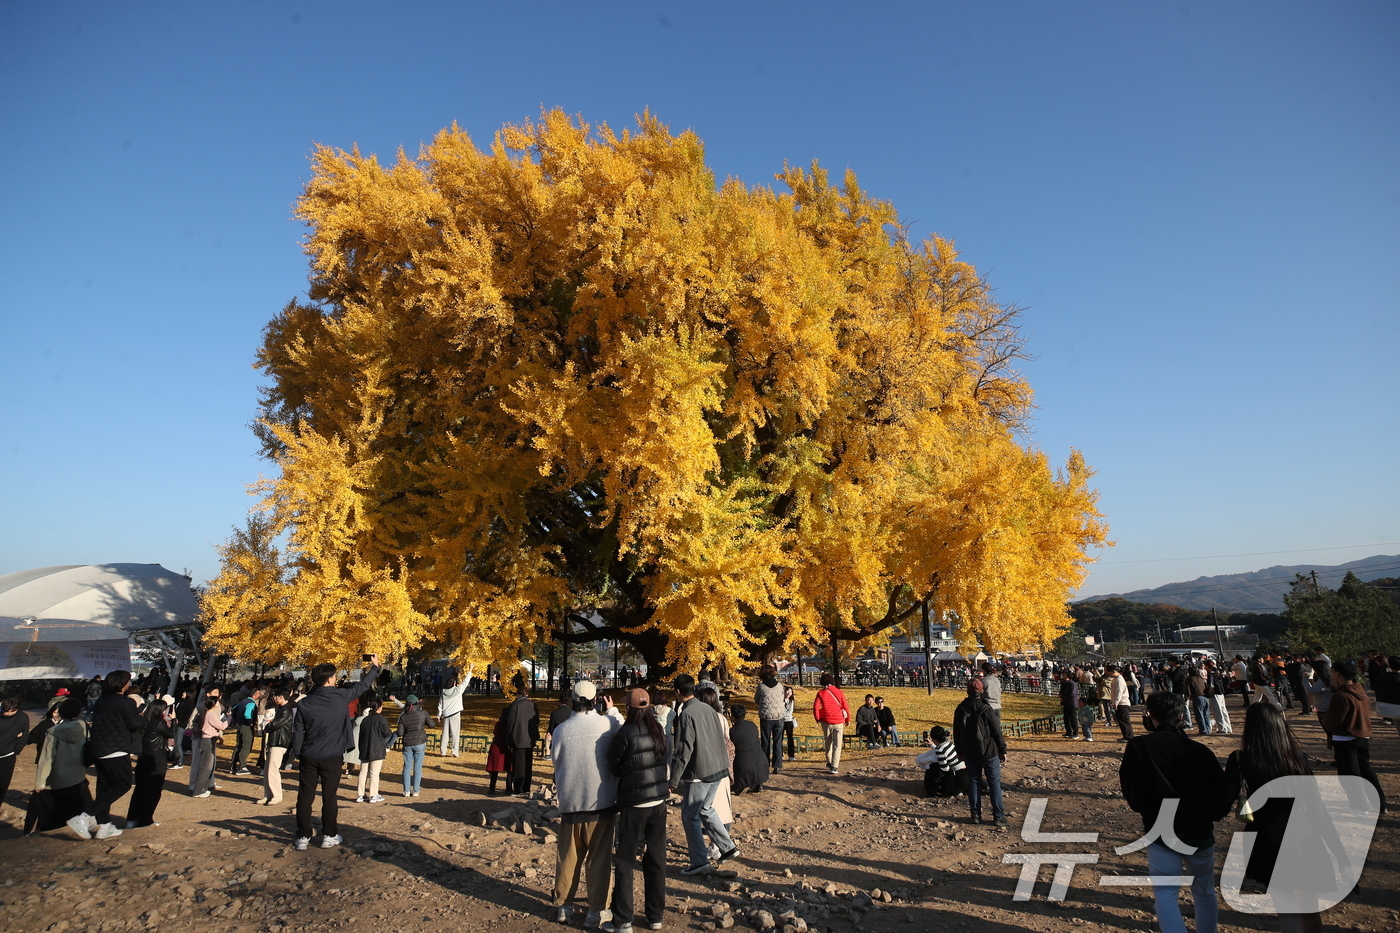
{"points": [[78, 620]]}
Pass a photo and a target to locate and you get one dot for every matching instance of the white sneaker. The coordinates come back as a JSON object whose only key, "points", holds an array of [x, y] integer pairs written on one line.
{"points": [[301, 843], [79, 825], [330, 842], [611, 927], [360, 799], [203, 795], [563, 914], [376, 799], [107, 831]]}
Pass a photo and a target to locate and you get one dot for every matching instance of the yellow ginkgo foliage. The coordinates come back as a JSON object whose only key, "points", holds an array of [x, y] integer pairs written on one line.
{"points": [[574, 376]]}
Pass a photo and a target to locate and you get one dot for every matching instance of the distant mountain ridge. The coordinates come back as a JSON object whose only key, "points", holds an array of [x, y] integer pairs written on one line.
{"points": [[1256, 591]]}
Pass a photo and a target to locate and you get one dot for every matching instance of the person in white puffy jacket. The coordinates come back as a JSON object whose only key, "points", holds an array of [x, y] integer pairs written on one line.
{"points": [[450, 715]]}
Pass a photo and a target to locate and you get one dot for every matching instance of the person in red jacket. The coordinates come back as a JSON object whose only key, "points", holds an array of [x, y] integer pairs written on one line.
{"points": [[832, 712]]}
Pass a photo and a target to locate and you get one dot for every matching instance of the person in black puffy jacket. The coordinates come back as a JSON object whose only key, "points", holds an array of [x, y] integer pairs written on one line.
{"points": [[637, 756], [117, 726]]}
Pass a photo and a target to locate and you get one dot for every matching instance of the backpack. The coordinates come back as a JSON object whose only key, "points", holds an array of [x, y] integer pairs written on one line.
{"points": [[245, 712]]}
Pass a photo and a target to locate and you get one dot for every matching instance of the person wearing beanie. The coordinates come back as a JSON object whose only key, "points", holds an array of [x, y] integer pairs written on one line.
{"points": [[414, 723]]}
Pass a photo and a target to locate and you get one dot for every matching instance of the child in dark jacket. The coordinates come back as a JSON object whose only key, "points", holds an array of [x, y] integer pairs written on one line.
{"points": [[498, 756], [374, 739]]}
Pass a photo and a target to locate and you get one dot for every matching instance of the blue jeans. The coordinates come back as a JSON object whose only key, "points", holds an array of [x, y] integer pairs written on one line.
{"points": [[1200, 865], [698, 817], [988, 770], [770, 732], [413, 767], [1087, 716], [1201, 705]]}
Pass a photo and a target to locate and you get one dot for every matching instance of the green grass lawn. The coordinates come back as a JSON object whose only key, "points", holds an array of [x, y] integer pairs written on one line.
{"points": [[914, 709]]}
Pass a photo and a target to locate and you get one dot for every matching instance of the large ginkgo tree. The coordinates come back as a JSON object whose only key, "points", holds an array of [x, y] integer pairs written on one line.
{"points": [[573, 377]]}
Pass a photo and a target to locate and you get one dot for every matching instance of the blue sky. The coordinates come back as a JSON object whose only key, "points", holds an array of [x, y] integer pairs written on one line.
{"points": [[1196, 204]]}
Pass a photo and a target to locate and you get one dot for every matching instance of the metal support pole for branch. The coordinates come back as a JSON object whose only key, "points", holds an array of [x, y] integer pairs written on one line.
{"points": [[209, 669], [928, 647], [564, 670], [800, 682]]}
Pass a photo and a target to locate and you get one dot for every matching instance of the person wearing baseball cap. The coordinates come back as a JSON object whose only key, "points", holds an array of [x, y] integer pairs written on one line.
{"points": [[58, 697], [587, 805], [637, 757], [979, 742]]}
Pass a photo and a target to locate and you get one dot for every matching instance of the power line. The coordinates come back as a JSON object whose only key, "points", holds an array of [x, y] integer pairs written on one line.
{"points": [[1306, 550]]}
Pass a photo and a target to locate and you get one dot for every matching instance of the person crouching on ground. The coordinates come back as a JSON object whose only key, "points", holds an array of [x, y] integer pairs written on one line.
{"points": [[945, 774], [750, 762], [587, 792], [60, 771]]}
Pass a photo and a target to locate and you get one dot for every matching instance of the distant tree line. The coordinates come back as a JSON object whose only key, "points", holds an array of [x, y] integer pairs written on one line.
{"points": [[1125, 620], [1354, 618]]}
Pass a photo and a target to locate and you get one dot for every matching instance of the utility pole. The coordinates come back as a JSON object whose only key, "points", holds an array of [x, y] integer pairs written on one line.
{"points": [[1219, 643]]}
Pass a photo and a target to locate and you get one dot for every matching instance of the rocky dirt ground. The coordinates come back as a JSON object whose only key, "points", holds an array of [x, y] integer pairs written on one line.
{"points": [[858, 852]]}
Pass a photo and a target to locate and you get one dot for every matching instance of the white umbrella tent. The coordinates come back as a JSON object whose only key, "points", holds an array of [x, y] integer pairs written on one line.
{"points": [[80, 621]]}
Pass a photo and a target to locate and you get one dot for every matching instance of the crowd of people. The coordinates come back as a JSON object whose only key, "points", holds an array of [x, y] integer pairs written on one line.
{"points": [[617, 764]]}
